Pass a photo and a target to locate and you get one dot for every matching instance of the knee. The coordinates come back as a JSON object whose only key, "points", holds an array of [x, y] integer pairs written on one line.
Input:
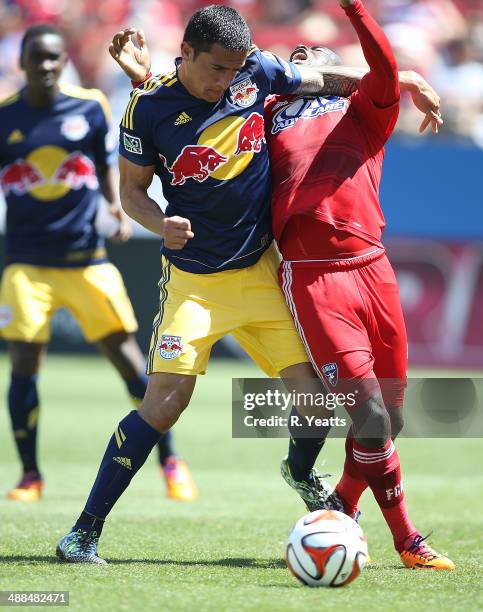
{"points": [[372, 423], [163, 404]]}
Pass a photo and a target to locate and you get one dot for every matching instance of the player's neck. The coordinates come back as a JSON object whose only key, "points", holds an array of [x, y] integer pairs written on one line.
{"points": [[41, 97], [184, 80]]}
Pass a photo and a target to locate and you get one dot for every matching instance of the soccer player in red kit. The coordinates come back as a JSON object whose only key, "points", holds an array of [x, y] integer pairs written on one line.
{"points": [[326, 157]]}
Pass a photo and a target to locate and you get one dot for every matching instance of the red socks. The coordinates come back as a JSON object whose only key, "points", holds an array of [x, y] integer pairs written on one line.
{"points": [[351, 485], [381, 469]]}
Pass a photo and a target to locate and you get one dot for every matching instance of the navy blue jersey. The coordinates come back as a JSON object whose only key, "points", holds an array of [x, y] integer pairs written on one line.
{"points": [[212, 160], [48, 159]]}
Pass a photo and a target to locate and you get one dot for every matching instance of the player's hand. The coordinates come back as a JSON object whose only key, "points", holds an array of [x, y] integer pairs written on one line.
{"points": [[124, 230], [129, 49], [428, 102], [176, 232]]}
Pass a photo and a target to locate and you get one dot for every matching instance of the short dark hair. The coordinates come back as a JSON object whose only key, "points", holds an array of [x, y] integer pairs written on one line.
{"points": [[217, 24], [39, 29]]}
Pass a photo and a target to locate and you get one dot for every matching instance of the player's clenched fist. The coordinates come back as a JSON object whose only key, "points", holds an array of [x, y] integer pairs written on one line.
{"points": [[176, 232]]}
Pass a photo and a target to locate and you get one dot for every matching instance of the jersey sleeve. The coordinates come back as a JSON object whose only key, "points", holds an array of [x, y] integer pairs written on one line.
{"points": [[283, 77], [135, 137], [103, 142], [377, 123]]}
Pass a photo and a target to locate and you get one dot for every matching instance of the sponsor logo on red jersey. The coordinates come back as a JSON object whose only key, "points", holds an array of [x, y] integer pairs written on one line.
{"points": [[306, 108]]}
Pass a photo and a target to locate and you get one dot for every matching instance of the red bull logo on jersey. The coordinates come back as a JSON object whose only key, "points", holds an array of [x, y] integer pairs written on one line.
{"points": [[223, 151], [170, 347], [76, 171], [48, 173], [307, 107], [20, 177], [244, 93], [251, 135], [196, 162]]}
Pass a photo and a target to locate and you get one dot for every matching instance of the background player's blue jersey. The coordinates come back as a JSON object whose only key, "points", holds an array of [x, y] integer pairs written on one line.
{"points": [[48, 159], [212, 160]]}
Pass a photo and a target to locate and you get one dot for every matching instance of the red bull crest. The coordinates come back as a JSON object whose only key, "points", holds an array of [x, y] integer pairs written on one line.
{"points": [[76, 171], [251, 135], [170, 347], [244, 93], [196, 162], [19, 177]]}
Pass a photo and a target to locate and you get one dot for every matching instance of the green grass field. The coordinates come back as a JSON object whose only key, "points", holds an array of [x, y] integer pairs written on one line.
{"points": [[225, 551]]}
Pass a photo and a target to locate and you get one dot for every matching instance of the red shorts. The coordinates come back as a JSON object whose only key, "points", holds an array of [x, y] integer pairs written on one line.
{"points": [[349, 316]]}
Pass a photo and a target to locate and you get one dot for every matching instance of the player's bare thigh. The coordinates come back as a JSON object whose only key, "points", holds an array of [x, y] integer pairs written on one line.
{"points": [[166, 397]]}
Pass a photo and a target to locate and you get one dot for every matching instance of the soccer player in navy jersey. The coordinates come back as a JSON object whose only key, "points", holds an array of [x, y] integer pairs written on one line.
{"points": [[200, 129], [337, 280], [55, 160]]}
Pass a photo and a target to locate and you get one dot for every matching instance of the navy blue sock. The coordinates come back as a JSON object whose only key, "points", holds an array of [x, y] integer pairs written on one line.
{"points": [[137, 388], [23, 405], [304, 447], [126, 452], [165, 447]]}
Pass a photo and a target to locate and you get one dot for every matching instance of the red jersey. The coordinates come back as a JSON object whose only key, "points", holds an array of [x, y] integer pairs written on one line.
{"points": [[326, 156]]}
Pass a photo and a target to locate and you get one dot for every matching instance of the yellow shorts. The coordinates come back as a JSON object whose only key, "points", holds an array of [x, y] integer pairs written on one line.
{"points": [[95, 295], [196, 310]]}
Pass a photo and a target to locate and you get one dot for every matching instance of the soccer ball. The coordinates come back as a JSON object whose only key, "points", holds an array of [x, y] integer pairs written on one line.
{"points": [[326, 548]]}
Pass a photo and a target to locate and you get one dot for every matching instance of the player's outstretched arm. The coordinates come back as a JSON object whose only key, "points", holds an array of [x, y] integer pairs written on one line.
{"points": [[134, 183], [381, 83], [129, 49], [329, 80]]}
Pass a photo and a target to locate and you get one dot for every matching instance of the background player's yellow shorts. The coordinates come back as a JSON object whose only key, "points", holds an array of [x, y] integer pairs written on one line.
{"points": [[95, 295], [196, 310]]}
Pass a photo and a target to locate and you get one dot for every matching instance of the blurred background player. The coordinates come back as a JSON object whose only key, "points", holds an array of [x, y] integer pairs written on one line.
{"points": [[337, 280], [55, 162]]}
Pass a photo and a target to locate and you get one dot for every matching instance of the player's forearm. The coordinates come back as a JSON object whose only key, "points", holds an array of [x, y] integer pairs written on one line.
{"points": [[107, 184], [330, 80], [409, 81], [381, 84], [143, 209]]}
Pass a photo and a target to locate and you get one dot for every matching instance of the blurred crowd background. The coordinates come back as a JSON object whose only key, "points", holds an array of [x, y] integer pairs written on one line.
{"points": [[441, 39]]}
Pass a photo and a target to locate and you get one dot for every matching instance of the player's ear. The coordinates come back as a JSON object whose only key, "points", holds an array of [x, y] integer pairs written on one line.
{"points": [[187, 51]]}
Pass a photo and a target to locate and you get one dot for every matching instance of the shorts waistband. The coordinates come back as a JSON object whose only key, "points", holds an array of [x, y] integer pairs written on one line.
{"points": [[361, 259]]}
